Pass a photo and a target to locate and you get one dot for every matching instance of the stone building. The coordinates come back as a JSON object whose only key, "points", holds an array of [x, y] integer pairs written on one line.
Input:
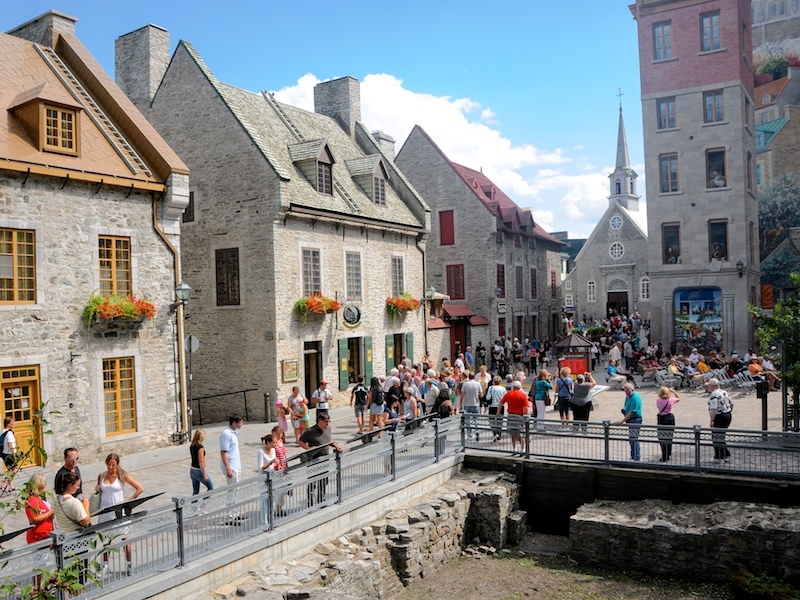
{"points": [[90, 202], [776, 25], [610, 275], [500, 269], [285, 204], [697, 104]]}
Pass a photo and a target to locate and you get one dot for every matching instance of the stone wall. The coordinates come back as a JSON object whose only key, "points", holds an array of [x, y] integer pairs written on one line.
{"points": [[409, 542], [702, 542]]}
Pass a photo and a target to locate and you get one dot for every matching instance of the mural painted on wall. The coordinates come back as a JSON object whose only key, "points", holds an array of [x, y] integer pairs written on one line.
{"points": [[698, 319]]}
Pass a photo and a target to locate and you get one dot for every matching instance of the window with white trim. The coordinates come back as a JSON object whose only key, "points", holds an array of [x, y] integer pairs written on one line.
{"points": [[644, 289], [591, 291], [353, 275], [398, 284]]}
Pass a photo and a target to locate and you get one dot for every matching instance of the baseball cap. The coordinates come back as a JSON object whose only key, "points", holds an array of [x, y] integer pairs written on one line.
{"points": [[323, 382], [713, 381], [516, 384]]}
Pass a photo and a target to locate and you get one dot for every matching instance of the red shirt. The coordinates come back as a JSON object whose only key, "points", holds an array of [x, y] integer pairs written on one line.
{"points": [[517, 401], [34, 507]]}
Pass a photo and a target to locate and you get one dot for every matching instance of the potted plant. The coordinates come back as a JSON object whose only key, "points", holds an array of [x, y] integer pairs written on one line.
{"points": [[316, 304], [112, 311], [398, 305]]}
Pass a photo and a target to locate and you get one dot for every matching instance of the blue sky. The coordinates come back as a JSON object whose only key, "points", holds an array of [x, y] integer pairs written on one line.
{"points": [[525, 90]]}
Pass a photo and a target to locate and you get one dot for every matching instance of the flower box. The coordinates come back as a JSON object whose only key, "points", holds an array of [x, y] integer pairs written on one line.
{"points": [[397, 306], [315, 305], [116, 313]]}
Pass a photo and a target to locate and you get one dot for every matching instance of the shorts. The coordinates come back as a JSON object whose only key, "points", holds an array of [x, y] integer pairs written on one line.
{"points": [[375, 409], [515, 423], [360, 410]]}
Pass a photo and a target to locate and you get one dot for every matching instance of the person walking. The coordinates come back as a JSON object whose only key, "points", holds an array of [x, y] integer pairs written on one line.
{"points": [[632, 416], [279, 436], [542, 387], [230, 460], [564, 387], [494, 395], [8, 448], [581, 401], [720, 409], [322, 397], [517, 404], [470, 403], [667, 399], [111, 487], [377, 401], [359, 395], [198, 471], [298, 407]]}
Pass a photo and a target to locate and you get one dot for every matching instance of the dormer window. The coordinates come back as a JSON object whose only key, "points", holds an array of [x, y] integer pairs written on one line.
{"points": [[60, 130], [379, 190], [324, 178], [50, 118], [766, 99]]}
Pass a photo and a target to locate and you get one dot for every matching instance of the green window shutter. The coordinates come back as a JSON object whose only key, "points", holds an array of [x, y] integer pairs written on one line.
{"points": [[389, 353], [343, 375], [367, 359], [410, 346]]}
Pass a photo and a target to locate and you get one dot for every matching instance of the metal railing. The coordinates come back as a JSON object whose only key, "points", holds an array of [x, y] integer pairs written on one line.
{"points": [[173, 534], [222, 412], [752, 453]]}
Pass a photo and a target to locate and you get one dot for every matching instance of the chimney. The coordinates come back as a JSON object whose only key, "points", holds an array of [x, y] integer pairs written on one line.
{"points": [[40, 29], [386, 143], [340, 99], [140, 61]]}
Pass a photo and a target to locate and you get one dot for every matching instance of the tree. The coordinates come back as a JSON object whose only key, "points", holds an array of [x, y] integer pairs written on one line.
{"points": [[775, 66], [782, 329]]}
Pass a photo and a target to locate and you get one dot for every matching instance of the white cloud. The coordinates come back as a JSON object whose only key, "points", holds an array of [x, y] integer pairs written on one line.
{"points": [[565, 191]]}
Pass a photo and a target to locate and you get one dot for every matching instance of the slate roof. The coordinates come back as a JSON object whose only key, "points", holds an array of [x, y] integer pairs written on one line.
{"points": [[285, 134], [766, 132], [26, 75]]}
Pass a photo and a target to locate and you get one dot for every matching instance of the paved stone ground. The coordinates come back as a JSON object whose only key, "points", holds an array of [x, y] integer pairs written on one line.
{"points": [[167, 469]]}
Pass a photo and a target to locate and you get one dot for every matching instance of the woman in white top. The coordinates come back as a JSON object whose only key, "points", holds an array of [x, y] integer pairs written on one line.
{"points": [[267, 456], [111, 485]]}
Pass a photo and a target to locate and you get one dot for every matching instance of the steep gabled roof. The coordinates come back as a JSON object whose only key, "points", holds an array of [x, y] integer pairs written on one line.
{"points": [[613, 207], [285, 134], [766, 132], [771, 90], [492, 197]]}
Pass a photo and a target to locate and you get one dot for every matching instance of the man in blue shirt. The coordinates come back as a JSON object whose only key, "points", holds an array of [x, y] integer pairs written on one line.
{"points": [[633, 417], [230, 460]]}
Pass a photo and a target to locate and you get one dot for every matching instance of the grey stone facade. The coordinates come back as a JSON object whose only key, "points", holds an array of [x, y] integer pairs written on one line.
{"points": [[254, 184], [611, 271], [49, 359], [487, 232]]}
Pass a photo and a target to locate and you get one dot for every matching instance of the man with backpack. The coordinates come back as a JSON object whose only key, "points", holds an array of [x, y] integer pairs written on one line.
{"points": [[359, 395], [8, 448]]}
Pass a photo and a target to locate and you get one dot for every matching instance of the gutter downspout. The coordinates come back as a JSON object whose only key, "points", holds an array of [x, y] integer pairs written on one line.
{"points": [[424, 297], [184, 416]]}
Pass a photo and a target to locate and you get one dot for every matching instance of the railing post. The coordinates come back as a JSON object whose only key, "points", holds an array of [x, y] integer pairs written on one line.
{"points": [[697, 430], [179, 504], [58, 550], [527, 436], [339, 492], [463, 431], [393, 457], [267, 408], [436, 440], [607, 442], [246, 412], [268, 503]]}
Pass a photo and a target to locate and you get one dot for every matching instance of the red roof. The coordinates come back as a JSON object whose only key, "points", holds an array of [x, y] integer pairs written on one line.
{"points": [[478, 320], [496, 201], [458, 310], [437, 323], [773, 89]]}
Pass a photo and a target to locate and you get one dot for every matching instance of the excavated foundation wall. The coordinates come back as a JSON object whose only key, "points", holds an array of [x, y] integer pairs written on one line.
{"points": [[703, 542]]}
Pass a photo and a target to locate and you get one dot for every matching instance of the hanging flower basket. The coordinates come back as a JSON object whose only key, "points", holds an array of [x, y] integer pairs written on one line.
{"points": [[316, 305], [114, 312], [399, 305]]}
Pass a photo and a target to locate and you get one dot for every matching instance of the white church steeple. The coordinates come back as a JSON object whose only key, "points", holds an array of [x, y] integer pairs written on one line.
{"points": [[623, 179]]}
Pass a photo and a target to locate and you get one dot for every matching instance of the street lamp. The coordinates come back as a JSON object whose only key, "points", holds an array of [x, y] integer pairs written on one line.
{"points": [[182, 291]]}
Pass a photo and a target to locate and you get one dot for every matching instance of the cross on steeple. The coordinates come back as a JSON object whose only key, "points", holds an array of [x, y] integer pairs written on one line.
{"points": [[620, 94]]}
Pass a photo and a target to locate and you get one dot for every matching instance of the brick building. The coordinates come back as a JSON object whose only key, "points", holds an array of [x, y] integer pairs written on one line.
{"points": [[501, 270], [699, 135], [90, 202], [285, 204]]}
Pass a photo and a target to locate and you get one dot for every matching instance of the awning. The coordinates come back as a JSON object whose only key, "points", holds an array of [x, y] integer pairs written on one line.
{"points": [[478, 320], [458, 310], [437, 323]]}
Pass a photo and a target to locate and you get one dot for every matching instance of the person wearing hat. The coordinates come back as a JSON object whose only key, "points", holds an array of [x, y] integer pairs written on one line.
{"points": [[322, 396], [517, 405], [694, 357], [720, 408]]}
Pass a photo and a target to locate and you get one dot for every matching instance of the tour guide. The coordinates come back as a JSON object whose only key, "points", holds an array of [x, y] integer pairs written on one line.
{"points": [[633, 417]]}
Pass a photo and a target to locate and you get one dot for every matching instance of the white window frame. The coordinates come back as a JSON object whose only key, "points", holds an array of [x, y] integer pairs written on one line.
{"points": [[398, 281], [644, 289], [591, 291], [353, 280]]}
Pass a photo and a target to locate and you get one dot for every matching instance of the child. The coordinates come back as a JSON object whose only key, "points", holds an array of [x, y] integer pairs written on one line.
{"points": [[279, 438]]}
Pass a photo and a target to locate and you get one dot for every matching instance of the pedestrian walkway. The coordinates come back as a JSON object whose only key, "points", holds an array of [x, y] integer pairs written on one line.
{"points": [[167, 469]]}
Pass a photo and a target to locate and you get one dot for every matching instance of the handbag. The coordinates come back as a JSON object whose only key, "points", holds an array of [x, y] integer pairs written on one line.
{"points": [[548, 397], [94, 502]]}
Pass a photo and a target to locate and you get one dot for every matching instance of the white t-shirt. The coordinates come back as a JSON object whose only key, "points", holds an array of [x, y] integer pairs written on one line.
{"points": [[322, 397], [9, 441], [229, 442], [264, 458]]}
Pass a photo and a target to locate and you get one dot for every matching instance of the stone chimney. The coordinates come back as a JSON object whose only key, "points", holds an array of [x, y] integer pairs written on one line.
{"points": [[140, 61], [386, 143], [40, 29], [340, 99]]}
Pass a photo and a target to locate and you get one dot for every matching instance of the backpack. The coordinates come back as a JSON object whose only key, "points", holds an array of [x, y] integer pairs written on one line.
{"points": [[378, 396], [360, 392], [3, 443]]}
